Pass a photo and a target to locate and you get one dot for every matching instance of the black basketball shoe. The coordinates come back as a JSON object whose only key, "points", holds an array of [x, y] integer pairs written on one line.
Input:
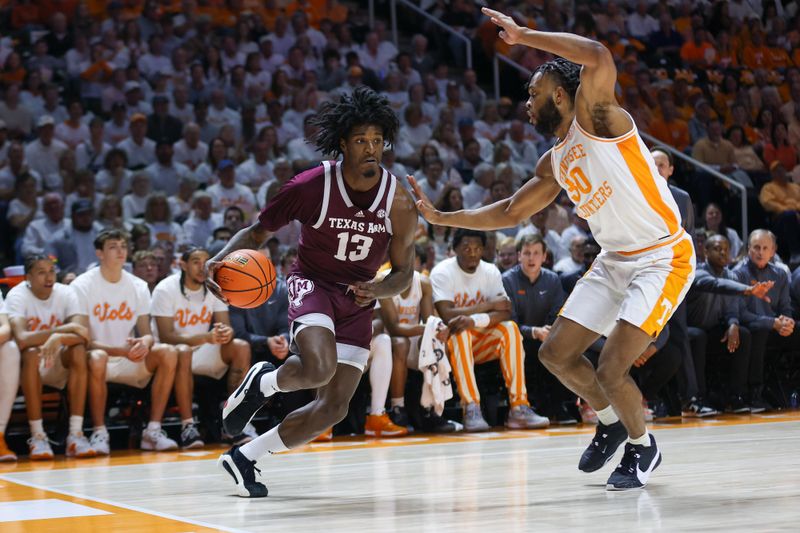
{"points": [[433, 423], [636, 466], [605, 442], [246, 400], [243, 471]]}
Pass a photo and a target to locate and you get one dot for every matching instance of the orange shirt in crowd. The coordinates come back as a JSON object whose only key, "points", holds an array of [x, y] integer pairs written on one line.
{"points": [[755, 57], [23, 15], [780, 197], [779, 58], [674, 133], [695, 54], [786, 154]]}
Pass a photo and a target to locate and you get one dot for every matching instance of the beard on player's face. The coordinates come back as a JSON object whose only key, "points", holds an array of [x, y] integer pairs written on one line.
{"points": [[548, 118]]}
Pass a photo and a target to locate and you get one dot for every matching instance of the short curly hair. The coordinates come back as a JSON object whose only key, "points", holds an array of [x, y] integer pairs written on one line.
{"points": [[566, 74], [335, 120]]}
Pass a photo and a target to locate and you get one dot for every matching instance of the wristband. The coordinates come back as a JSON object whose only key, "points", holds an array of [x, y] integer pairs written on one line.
{"points": [[481, 319]]}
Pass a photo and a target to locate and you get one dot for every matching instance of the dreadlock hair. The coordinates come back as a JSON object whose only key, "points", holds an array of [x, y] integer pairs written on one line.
{"points": [[335, 120], [185, 257], [31, 260], [566, 73]]}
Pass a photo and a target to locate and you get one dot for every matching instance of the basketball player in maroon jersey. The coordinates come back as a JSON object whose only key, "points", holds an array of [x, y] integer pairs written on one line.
{"points": [[352, 212]]}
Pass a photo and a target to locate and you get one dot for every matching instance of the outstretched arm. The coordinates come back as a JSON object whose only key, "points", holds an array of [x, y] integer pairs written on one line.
{"points": [[251, 237], [531, 198]]}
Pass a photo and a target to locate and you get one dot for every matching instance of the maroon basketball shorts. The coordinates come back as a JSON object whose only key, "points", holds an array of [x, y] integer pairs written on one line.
{"points": [[331, 306]]}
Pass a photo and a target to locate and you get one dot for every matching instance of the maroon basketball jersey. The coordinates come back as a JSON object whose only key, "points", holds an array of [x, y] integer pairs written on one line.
{"points": [[345, 233]]}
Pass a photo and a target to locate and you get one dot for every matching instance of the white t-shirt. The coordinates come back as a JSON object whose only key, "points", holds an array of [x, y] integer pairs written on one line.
{"points": [[42, 314], [192, 311], [191, 157], [452, 284], [238, 195], [252, 174], [112, 308]]}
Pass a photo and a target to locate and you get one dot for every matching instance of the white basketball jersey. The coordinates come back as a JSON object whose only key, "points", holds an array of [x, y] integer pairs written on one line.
{"points": [[408, 308], [617, 189]]}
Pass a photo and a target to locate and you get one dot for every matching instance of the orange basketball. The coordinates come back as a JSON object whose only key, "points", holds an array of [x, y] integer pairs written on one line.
{"points": [[246, 277]]}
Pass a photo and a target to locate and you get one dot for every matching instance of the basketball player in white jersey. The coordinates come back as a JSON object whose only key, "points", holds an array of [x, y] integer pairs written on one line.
{"points": [[183, 309], [9, 380], [43, 317], [647, 263], [115, 306], [404, 317]]}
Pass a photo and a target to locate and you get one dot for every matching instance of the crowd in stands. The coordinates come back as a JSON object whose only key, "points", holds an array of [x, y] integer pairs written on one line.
{"points": [[137, 136]]}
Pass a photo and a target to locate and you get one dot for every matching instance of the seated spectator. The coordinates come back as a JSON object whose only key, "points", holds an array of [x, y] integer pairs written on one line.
{"points": [[713, 149], [158, 218], [140, 150], [202, 220], [536, 298], [84, 190], [90, 154], [161, 125], [507, 256], [73, 246], [589, 252], [117, 129], [25, 206], [140, 238], [777, 148], [144, 266], [43, 320], [133, 203], [715, 224], [770, 321], [164, 252], [109, 215], [164, 172], [190, 150], [670, 128], [476, 192], [206, 172], [665, 166], [744, 156], [470, 298], [42, 230], [197, 323], [115, 354], [714, 328], [574, 261], [73, 131], [64, 181], [282, 171], [266, 327], [114, 177], [298, 150], [552, 239], [524, 154], [227, 192], [258, 169], [180, 203], [234, 218], [18, 118], [42, 155], [781, 199], [14, 170]]}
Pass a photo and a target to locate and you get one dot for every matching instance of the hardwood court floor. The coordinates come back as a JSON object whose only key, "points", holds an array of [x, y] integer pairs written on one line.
{"points": [[730, 473]]}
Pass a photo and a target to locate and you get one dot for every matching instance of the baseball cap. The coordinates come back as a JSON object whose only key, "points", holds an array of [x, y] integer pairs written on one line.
{"points": [[81, 206], [225, 163], [132, 85], [137, 117], [45, 120]]}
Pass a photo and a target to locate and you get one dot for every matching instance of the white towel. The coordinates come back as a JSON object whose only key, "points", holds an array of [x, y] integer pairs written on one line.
{"points": [[436, 387]]}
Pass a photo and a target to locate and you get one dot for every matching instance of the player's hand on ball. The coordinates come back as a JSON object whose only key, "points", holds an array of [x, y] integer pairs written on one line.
{"points": [[210, 271], [424, 203], [510, 32], [364, 293]]}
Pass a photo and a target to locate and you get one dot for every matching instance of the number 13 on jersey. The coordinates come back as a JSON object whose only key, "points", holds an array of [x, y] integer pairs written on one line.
{"points": [[359, 249]]}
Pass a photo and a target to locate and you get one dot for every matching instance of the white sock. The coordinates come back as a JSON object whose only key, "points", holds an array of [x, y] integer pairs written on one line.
{"points": [[153, 426], [186, 422], [269, 442], [607, 416], [269, 384], [398, 402], [75, 425], [9, 381], [37, 428], [644, 440], [380, 372], [100, 430]]}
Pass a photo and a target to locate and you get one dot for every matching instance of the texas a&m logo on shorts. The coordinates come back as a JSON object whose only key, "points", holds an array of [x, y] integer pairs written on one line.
{"points": [[298, 288]]}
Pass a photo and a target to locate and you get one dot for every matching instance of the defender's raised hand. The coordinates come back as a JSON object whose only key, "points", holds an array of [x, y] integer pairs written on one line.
{"points": [[424, 204], [511, 32]]}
